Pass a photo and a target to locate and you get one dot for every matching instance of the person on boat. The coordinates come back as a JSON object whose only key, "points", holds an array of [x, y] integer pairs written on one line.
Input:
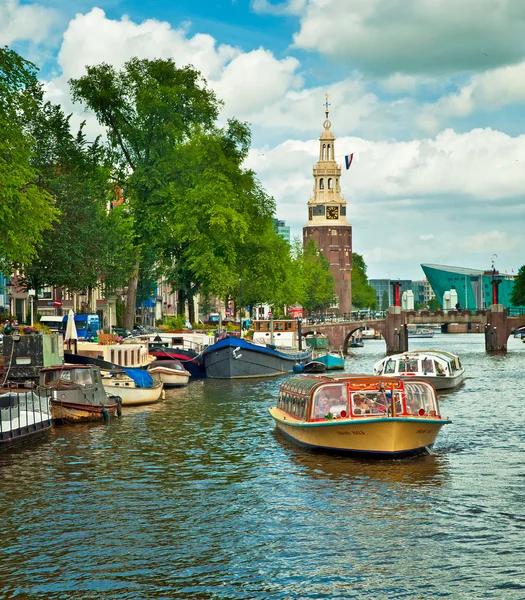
{"points": [[323, 406], [361, 406]]}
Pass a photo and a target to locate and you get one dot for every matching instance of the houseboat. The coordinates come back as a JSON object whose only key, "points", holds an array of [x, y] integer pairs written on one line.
{"points": [[282, 333], [25, 414], [235, 358], [77, 395], [442, 369], [380, 417]]}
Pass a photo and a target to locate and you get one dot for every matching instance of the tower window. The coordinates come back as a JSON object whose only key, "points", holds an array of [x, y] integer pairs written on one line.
{"points": [[330, 183], [337, 185], [321, 184], [328, 152]]}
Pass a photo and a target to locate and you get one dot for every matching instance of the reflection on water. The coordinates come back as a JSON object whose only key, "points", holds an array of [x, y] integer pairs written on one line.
{"points": [[199, 497]]}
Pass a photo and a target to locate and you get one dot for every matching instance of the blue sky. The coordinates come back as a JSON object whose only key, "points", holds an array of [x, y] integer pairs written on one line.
{"points": [[429, 95]]}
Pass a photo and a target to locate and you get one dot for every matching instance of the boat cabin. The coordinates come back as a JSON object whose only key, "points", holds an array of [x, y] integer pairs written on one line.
{"points": [[277, 332], [437, 362], [321, 398], [69, 375]]}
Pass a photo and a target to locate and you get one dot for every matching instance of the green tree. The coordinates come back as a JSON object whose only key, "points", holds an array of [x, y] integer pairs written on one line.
{"points": [[433, 304], [318, 283], [518, 290], [363, 294], [89, 245], [385, 302], [26, 210], [150, 110]]}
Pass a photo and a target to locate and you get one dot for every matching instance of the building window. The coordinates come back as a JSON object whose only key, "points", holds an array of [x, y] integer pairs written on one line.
{"points": [[330, 183], [321, 184], [45, 293]]}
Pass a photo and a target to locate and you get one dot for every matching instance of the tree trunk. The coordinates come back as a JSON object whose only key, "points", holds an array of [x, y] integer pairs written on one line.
{"points": [[129, 313], [191, 308], [181, 306]]}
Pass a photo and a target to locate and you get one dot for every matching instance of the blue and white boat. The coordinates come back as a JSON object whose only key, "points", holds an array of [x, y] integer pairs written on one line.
{"points": [[235, 358]]}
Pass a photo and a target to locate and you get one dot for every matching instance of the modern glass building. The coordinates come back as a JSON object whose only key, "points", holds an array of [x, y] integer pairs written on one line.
{"points": [[473, 287], [385, 285], [282, 229]]}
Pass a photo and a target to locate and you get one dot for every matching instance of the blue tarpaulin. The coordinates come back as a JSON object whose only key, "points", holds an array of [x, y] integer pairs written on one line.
{"points": [[142, 378]]}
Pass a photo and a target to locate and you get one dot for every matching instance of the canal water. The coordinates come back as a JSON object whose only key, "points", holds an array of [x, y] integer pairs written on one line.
{"points": [[199, 497]]}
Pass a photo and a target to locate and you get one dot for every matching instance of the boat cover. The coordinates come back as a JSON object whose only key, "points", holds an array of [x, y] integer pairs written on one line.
{"points": [[141, 377]]}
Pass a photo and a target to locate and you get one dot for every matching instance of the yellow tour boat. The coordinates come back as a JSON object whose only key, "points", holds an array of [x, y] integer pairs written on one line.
{"points": [[383, 417]]}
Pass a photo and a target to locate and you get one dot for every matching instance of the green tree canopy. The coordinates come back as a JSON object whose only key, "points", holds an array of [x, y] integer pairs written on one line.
{"points": [[518, 291], [26, 209], [385, 302], [317, 293], [363, 294]]}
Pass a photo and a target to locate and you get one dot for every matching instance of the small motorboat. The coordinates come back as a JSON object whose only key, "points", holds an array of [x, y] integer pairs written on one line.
{"points": [[170, 372], [77, 394], [313, 366], [442, 369], [380, 417], [333, 362], [24, 415], [356, 344], [134, 386]]}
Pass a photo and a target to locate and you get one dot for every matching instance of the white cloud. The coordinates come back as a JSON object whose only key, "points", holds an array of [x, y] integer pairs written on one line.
{"points": [[426, 237], [490, 90], [415, 36], [502, 240], [255, 79], [21, 22]]}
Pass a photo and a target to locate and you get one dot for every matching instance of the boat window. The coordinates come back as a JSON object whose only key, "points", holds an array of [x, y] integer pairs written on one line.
{"points": [[411, 365], [419, 397], [277, 326], [329, 399], [428, 366], [83, 376], [440, 370], [390, 367]]}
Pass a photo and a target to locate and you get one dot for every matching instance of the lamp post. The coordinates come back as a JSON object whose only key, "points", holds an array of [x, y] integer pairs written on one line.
{"points": [[31, 294], [240, 307], [9, 295]]}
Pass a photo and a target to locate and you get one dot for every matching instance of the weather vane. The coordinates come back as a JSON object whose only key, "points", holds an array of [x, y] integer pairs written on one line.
{"points": [[326, 105]]}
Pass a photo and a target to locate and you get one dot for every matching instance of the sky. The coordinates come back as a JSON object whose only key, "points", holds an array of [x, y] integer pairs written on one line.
{"points": [[429, 95]]}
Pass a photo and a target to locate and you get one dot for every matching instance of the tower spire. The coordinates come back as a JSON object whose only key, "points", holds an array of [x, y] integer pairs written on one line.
{"points": [[326, 105]]}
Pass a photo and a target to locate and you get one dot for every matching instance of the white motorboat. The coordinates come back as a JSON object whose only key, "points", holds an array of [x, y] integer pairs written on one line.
{"points": [[442, 369], [170, 372], [132, 387]]}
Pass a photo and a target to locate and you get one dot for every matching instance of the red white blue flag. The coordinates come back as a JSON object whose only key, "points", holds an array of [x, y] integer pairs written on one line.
{"points": [[348, 160]]}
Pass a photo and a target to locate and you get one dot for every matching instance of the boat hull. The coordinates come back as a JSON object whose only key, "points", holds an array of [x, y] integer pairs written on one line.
{"points": [[132, 395], [332, 362], [441, 383], [190, 360], [382, 437], [232, 358], [69, 412], [169, 377]]}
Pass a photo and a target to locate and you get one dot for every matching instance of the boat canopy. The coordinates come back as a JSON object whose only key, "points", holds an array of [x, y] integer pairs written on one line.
{"points": [[321, 398], [141, 377]]}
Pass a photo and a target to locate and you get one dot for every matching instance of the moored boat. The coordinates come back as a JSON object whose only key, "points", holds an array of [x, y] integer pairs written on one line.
{"points": [[333, 362], [189, 359], [134, 386], [421, 333], [233, 358], [440, 368], [170, 372], [77, 394], [24, 415], [381, 417], [314, 366]]}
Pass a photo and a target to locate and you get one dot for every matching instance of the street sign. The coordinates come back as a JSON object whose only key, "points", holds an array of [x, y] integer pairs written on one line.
{"points": [[57, 303]]}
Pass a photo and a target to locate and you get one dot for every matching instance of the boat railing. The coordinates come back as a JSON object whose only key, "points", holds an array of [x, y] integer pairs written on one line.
{"points": [[23, 410]]}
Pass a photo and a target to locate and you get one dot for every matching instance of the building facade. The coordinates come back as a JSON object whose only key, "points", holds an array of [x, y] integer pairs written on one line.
{"points": [[473, 286], [385, 285], [282, 229], [327, 225]]}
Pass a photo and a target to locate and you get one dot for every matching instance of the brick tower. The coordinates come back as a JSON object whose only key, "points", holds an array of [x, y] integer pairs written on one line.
{"points": [[327, 224]]}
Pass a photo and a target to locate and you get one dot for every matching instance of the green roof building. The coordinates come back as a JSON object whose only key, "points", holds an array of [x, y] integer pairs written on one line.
{"points": [[473, 286]]}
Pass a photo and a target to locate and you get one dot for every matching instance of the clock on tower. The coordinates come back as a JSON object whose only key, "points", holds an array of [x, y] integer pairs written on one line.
{"points": [[332, 212]]}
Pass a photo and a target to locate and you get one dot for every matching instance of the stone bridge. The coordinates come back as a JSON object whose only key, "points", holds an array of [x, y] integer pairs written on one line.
{"points": [[493, 322]]}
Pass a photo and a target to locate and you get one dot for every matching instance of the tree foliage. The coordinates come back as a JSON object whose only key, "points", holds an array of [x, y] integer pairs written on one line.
{"points": [[26, 209], [518, 290], [89, 245], [317, 293], [363, 294], [385, 302]]}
